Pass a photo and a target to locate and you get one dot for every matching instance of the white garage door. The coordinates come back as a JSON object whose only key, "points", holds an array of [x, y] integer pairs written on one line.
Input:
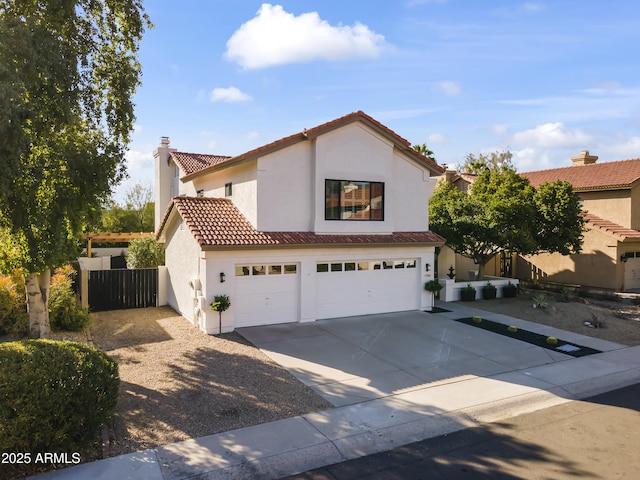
{"points": [[632, 273], [366, 286], [267, 294]]}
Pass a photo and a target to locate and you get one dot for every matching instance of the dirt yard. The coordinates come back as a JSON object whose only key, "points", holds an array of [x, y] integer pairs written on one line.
{"points": [[616, 321], [178, 383]]}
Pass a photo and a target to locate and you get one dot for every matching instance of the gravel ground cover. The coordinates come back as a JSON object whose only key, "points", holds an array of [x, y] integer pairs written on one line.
{"points": [[178, 382], [616, 321]]}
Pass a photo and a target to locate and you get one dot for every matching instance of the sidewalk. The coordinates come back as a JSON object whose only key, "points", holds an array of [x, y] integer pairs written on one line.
{"points": [[378, 419]]}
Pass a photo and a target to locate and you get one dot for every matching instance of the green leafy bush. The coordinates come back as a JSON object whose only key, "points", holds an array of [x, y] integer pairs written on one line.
{"points": [[55, 395], [13, 309], [65, 310], [145, 252]]}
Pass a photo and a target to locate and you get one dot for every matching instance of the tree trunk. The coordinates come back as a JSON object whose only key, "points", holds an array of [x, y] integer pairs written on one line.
{"points": [[37, 287], [480, 271]]}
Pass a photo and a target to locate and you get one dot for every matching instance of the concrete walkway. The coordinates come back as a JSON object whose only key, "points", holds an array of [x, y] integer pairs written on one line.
{"points": [[394, 379]]}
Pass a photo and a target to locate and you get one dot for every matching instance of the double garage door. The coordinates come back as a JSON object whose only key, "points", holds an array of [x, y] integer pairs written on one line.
{"points": [[362, 287], [270, 293]]}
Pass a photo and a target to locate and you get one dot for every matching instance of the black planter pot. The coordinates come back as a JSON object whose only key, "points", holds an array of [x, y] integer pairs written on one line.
{"points": [[509, 291], [467, 295], [489, 293]]}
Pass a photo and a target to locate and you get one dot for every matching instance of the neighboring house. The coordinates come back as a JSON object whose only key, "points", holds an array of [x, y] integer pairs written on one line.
{"points": [[328, 222], [610, 256]]}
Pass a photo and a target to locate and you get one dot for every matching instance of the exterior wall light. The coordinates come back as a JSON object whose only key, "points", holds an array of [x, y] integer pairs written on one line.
{"points": [[222, 276], [428, 267]]}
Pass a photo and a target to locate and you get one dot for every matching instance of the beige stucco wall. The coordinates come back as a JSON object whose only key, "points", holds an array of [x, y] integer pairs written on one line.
{"points": [[612, 205], [596, 266], [463, 265], [635, 207]]}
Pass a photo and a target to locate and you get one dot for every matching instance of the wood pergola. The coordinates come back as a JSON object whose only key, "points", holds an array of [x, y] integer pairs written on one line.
{"points": [[113, 238]]}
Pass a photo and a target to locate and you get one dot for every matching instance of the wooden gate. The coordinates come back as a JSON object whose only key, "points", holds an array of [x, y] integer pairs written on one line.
{"points": [[119, 289]]}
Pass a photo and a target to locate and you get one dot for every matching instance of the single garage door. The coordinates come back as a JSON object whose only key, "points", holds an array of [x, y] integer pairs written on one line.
{"points": [[269, 294], [361, 287], [632, 272]]}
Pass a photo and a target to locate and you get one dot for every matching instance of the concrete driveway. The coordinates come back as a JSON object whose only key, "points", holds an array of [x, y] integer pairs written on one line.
{"points": [[351, 360], [394, 379]]}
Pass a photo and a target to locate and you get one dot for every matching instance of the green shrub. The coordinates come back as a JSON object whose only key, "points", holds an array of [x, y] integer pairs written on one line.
{"points": [[13, 309], [540, 301], [65, 311], [55, 396], [145, 252]]}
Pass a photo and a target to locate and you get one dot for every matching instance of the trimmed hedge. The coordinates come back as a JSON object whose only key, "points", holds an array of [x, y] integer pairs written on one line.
{"points": [[54, 395]]}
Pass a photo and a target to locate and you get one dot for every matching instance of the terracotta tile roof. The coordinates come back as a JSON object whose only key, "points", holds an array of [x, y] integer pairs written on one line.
{"points": [[216, 222], [614, 229], [595, 176], [193, 162], [314, 132]]}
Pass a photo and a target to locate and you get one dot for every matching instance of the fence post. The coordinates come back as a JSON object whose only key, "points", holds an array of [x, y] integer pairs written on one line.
{"points": [[163, 281], [84, 288]]}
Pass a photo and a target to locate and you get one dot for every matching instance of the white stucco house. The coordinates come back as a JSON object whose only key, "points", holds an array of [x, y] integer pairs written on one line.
{"points": [[328, 222]]}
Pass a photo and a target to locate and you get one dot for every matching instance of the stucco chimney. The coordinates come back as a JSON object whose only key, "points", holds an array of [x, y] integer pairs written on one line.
{"points": [[163, 178], [450, 175], [584, 158]]}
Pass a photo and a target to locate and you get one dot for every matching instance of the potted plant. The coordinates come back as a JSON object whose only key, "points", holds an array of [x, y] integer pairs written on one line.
{"points": [[468, 293], [509, 291], [489, 291], [433, 286], [221, 303]]}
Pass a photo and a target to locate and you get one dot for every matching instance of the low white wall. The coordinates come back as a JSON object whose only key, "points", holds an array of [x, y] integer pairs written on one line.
{"points": [[451, 290]]}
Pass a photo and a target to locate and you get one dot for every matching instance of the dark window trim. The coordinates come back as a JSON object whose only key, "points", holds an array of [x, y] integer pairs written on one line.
{"points": [[228, 189], [370, 182]]}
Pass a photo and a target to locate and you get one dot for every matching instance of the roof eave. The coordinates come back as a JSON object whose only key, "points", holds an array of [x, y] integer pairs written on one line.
{"points": [[211, 248]]}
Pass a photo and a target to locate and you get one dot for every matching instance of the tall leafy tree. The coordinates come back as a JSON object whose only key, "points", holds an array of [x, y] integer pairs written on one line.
{"points": [[68, 70], [136, 214], [503, 212]]}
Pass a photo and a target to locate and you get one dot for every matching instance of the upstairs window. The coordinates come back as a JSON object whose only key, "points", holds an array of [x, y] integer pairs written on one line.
{"points": [[353, 200], [228, 189]]}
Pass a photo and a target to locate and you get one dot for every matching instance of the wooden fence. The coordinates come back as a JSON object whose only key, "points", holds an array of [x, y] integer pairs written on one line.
{"points": [[119, 289]]}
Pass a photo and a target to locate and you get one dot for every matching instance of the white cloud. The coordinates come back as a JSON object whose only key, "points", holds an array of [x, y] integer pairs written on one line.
{"points": [[551, 135], [621, 151], [138, 160], [230, 95], [451, 89], [276, 37], [531, 159]]}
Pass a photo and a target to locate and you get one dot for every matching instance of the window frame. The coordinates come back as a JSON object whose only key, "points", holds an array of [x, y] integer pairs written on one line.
{"points": [[330, 184]]}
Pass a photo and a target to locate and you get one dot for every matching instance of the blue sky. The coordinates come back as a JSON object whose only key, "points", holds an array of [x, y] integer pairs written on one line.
{"points": [[543, 79]]}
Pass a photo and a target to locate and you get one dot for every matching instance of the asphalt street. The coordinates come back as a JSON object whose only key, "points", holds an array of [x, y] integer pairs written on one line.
{"points": [[595, 438]]}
